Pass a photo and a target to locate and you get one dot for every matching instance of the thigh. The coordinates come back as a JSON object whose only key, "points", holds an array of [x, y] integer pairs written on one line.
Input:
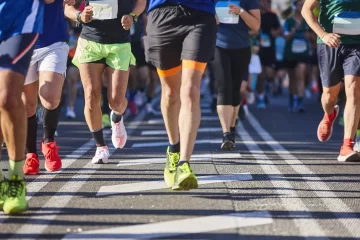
{"points": [[54, 58], [330, 65], [119, 56], [16, 52], [221, 68], [163, 40], [199, 43], [91, 77]]}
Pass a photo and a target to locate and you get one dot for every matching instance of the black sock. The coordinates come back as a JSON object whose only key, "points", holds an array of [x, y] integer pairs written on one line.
{"points": [[232, 130], [115, 117], [99, 138], [50, 122], [182, 162], [31, 135], [105, 102], [174, 148]]}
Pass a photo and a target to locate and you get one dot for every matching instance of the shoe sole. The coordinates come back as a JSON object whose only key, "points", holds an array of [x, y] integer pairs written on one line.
{"points": [[29, 173], [332, 126], [227, 145], [15, 211], [354, 157], [169, 178], [188, 183], [56, 170]]}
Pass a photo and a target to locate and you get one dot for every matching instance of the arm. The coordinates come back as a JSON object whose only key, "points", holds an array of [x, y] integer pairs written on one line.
{"points": [[289, 33], [140, 6], [70, 12], [49, 1], [277, 30], [252, 19], [330, 39], [145, 20]]}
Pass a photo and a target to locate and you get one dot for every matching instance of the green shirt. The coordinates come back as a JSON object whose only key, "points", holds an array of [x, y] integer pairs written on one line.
{"points": [[329, 9], [297, 46]]}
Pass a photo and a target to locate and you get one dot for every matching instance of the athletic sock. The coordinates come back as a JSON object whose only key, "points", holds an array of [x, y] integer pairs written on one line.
{"points": [[115, 117], [98, 137], [348, 142], [174, 148], [105, 102], [182, 162], [50, 122], [31, 135], [16, 168]]}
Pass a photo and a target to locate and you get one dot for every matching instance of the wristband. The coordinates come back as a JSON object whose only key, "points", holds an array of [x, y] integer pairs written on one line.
{"points": [[78, 17], [322, 36]]}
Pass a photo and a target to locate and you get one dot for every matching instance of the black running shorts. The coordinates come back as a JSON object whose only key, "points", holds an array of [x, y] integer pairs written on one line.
{"points": [[175, 33]]}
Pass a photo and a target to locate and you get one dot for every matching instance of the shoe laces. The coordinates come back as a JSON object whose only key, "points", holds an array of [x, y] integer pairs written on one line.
{"points": [[52, 152], [30, 161], [174, 159], [119, 129], [15, 188]]}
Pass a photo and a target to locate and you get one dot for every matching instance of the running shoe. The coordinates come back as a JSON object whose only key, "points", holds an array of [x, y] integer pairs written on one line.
{"points": [[233, 135], [326, 125], [347, 154], [300, 107], [119, 135], [106, 121], [52, 158], [251, 98], [185, 179], [15, 201], [149, 108], [261, 104], [227, 143], [357, 141], [101, 155], [172, 160], [70, 113], [32, 164], [3, 192]]}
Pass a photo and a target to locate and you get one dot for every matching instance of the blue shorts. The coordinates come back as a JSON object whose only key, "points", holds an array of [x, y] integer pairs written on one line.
{"points": [[16, 52], [335, 63]]}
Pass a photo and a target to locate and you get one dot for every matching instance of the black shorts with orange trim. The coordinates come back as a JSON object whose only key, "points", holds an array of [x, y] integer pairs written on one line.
{"points": [[176, 33], [16, 52]]}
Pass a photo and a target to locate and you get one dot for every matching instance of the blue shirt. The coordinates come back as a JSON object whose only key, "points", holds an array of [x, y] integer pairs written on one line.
{"points": [[201, 5], [235, 36], [18, 17], [54, 25]]}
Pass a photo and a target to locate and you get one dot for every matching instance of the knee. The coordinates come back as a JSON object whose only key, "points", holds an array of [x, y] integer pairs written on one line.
{"points": [[8, 102], [117, 103], [190, 93], [170, 95], [329, 98], [30, 108]]}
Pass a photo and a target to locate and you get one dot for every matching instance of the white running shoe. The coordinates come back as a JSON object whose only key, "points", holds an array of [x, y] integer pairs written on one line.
{"points": [[149, 108], [251, 98], [357, 143], [101, 156], [119, 135], [70, 113]]}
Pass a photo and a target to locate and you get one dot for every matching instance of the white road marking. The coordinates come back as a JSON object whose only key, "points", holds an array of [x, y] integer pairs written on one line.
{"points": [[157, 185], [162, 144], [335, 205], [172, 229], [72, 186], [163, 132], [196, 157], [308, 226], [203, 118]]}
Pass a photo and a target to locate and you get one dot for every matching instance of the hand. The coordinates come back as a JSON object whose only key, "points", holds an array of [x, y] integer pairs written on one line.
{"points": [[234, 9], [87, 14], [70, 2], [332, 40], [127, 21]]}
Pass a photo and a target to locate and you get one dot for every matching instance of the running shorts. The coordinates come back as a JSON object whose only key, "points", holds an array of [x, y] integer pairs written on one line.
{"points": [[175, 33], [335, 63], [117, 56], [16, 51], [52, 58]]}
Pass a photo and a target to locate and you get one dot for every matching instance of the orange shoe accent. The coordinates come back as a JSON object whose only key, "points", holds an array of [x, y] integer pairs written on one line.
{"points": [[168, 72], [32, 164], [200, 66], [52, 157], [325, 127]]}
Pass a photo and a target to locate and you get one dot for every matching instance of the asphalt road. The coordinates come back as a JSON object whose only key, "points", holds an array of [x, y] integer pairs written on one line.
{"points": [[279, 183]]}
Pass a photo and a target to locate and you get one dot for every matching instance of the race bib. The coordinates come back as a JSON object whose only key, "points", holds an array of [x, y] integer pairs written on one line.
{"points": [[347, 23], [298, 46], [222, 12], [265, 40], [104, 9]]}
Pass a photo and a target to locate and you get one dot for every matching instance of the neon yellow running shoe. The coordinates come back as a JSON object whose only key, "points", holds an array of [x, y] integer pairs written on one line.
{"points": [[3, 192], [172, 160], [185, 179], [106, 121], [16, 196]]}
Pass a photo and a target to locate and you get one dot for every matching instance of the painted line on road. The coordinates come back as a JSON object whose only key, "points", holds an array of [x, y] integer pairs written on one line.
{"points": [[178, 227], [163, 132], [195, 157], [162, 144], [157, 185], [308, 226], [204, 118], [335, 205], [72, 186]]}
